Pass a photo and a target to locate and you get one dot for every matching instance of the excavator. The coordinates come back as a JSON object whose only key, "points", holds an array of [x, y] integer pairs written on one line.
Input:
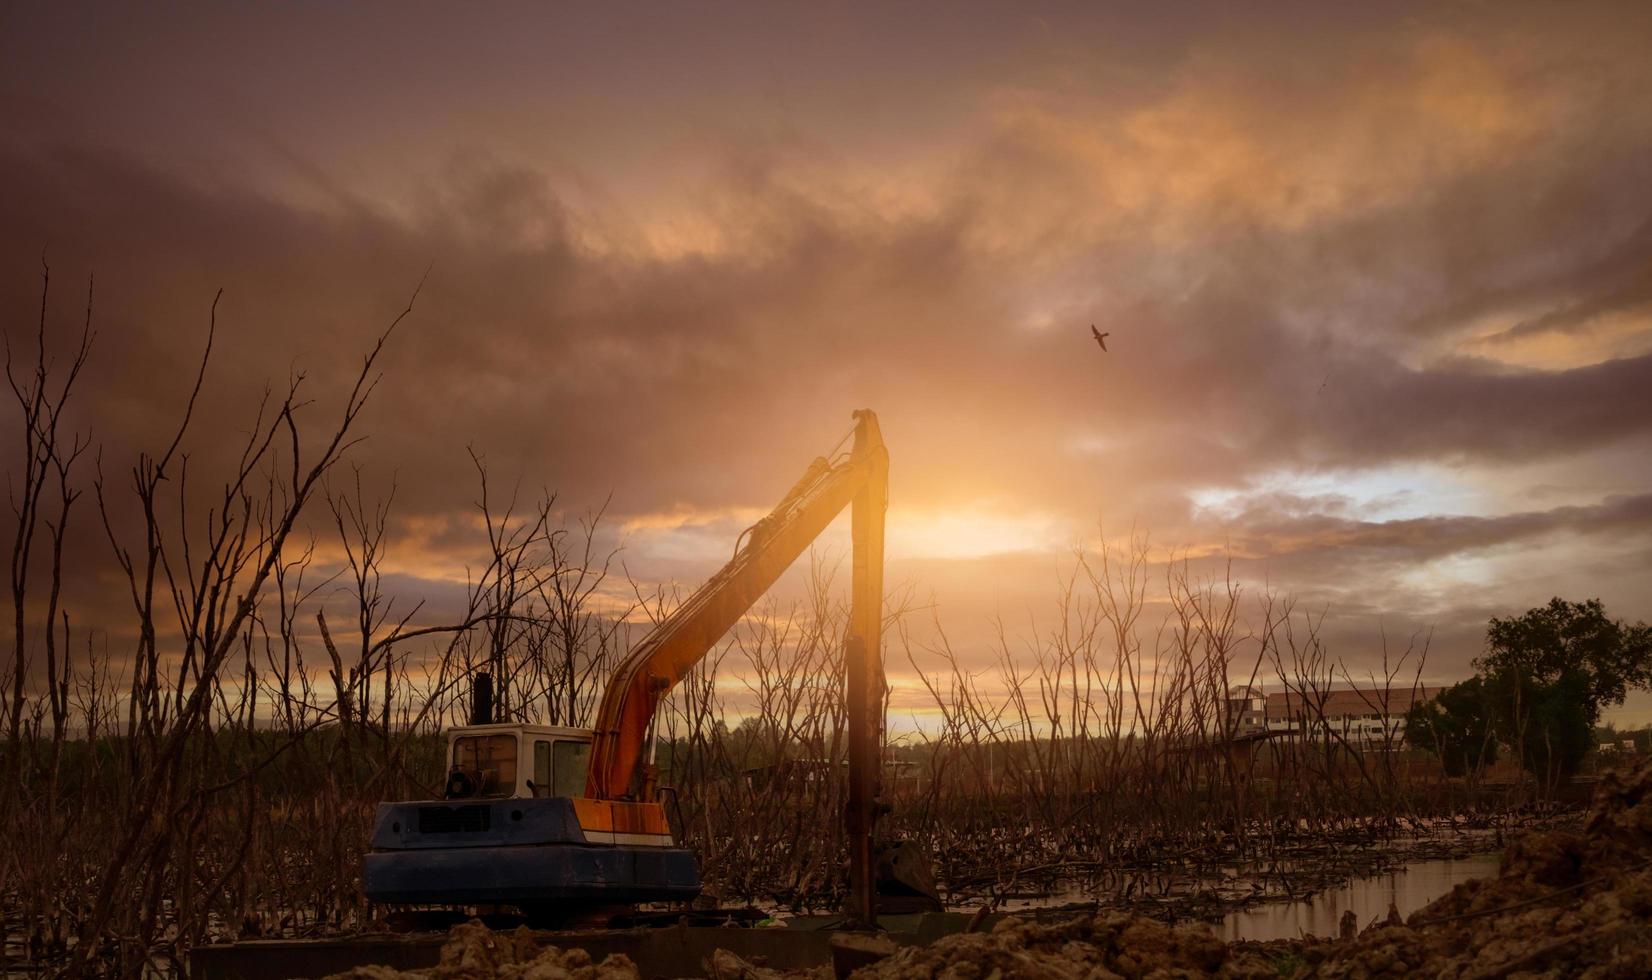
{"points": [[551, 817]]}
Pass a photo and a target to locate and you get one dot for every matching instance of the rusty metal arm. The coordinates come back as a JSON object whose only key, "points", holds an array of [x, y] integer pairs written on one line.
{"points": [[765, 551]]}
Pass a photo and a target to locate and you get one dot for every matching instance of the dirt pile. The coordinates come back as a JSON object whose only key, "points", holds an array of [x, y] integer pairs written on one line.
{"points": [[474, 952], [1109, 945], [1564, 905]]}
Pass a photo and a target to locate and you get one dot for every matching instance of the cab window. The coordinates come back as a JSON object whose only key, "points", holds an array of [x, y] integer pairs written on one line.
{"points": [[571, 760], [542, 769], [493, 757]]}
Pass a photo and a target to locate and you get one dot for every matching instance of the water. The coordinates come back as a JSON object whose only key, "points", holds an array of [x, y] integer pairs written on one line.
{"points": [[1409, 889]]}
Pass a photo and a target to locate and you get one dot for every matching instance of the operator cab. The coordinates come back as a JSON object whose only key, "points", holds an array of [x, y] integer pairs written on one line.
{"points": [[512, 761]]}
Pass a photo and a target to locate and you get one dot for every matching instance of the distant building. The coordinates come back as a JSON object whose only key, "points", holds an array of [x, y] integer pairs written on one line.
{"points": [[790, 771], [1360, 715], [1246, 710]]}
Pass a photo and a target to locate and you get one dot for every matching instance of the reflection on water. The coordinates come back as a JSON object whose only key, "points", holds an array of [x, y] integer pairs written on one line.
{"points": [[1409, 889]]}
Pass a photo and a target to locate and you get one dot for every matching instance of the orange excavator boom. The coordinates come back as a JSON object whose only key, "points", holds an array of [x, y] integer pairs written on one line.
{"points": [[624, 722]]}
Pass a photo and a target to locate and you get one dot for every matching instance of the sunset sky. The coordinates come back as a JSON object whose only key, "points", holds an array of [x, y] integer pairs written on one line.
{"points": [[1378, 277]]}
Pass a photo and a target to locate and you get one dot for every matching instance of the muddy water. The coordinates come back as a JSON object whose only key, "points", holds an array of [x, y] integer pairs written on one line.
{"points": [[1409, 888]]}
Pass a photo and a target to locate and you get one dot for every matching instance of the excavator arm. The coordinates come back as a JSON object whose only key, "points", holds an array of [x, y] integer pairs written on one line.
{"points": [[624, 722]]}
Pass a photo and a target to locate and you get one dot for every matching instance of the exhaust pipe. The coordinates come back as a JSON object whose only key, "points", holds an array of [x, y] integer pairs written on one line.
{"points": [[481, 699]]}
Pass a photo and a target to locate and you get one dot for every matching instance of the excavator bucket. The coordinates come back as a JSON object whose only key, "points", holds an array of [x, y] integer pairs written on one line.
{"points": [[905, 880]]}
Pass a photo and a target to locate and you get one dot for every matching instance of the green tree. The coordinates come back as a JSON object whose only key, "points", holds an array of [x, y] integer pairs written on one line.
{"points": [[1552, 725], [1551, 672], [1599, 659], [1460, 725]]}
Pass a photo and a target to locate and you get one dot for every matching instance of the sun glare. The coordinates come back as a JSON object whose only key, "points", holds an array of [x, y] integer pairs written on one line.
{"points": [[969, 532]]}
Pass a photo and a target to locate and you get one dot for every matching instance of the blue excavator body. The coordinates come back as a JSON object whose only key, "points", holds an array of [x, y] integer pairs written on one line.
{"points": [[513, 852], [501, 838]]}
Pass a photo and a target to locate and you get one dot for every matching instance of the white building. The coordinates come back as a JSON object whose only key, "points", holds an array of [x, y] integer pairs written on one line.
{"points": [[1362, 715], [1368, 716], [1246, 710]]}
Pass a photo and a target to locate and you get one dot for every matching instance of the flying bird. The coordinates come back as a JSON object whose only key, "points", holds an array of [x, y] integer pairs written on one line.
{"points": [[1101, 338]]}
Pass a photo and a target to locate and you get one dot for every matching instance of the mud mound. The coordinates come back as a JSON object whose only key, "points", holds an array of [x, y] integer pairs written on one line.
{"points": [[1110, 945], [1564, 905], [474, 952]]}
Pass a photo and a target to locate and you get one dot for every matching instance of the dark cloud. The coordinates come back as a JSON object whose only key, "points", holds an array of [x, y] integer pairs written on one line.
{"points": [[1260, 531], [1620, 282]]}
